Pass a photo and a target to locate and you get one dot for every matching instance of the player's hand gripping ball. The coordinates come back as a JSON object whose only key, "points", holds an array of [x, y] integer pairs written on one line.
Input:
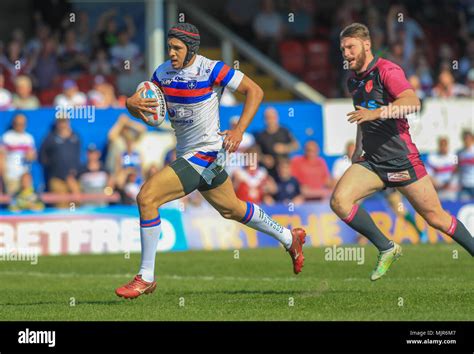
{"points": [[153, 91]]}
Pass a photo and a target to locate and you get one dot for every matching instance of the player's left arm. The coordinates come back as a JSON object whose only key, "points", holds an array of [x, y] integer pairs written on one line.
{"points": [[406, 102], [253, 97]]}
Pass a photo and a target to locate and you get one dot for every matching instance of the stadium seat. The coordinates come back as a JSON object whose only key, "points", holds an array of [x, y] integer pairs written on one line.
{"points": [[46, 97], [292, 56], [317, 55]]}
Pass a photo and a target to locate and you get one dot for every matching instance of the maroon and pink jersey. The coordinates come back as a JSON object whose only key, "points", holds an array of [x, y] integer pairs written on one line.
{"points": [[380, 84]]}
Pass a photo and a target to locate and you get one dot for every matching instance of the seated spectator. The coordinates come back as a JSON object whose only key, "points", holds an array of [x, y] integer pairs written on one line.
{"points": [[71, 95], [311, 171], [441, 166], [288, 187], [18, 151], [101, 64], [128, 186], [60, 157], [446, 87], [102, 94], [302, 25], [343, 163], [275, 141], [466, 166], [250, 183], [14, 63], [131, 159], [268, 28], [92, 177], [26, 198], [72, 58], [247, 141], [125, 50], [23, 98], [5, 95]]}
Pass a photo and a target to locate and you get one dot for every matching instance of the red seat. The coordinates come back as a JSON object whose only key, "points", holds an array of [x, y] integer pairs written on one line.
{"points": [[317, 54], [46, 97], [292, 56]]}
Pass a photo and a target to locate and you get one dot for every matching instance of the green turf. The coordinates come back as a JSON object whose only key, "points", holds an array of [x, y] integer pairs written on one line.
{"points": [[258, 286]]}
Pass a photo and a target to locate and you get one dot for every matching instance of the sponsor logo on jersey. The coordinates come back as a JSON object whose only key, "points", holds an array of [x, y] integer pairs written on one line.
{"points": [[171, 72], [180, 112], [369, 86], [166, 82], [398, 176]]}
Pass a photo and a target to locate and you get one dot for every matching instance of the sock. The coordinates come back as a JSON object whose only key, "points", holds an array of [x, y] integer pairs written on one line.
{"points": [[361, 221], [408, 217], [257, 219], [150, 231], [460, 234]]}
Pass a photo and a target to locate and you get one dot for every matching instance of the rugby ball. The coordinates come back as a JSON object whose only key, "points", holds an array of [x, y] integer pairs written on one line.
{"points": [[153, 91]]}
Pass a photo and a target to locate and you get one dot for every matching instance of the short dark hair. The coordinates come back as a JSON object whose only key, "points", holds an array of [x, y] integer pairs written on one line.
{"points": [[355, 30], [466, 132]]}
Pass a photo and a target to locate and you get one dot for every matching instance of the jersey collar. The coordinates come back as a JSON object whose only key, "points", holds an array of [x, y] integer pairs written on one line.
{"points": [[369, 68]]}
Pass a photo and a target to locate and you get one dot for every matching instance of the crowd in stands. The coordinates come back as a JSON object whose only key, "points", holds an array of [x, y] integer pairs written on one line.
{"points": [[74, 63], [273, 178], [433, 41]]}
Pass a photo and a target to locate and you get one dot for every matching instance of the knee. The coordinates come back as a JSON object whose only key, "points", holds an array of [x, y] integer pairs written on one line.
{"points": [[229, 214], [338, 203], [147, 199], [434, 219]]}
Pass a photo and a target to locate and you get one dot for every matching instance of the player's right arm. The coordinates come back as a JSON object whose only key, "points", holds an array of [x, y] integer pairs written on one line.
{"points": [[136, 105]]}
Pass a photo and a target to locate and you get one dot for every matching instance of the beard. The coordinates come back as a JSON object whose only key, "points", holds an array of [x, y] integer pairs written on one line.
{"points": [[359, 61]]}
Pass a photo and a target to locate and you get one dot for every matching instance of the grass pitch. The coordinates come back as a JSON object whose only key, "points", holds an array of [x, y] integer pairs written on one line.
{"points": [[427, 283]]}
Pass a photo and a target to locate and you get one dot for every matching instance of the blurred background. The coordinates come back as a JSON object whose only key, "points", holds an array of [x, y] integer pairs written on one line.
{"points": [[80, 60]]}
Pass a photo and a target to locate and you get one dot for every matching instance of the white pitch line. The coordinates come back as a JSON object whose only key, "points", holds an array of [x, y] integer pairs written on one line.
{"points": [[129, 275]]}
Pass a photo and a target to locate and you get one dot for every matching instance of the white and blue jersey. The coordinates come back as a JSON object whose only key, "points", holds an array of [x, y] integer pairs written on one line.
{"points": [[192, 95]]}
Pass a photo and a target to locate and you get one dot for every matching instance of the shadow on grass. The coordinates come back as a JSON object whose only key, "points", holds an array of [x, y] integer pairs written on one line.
{"points": [[78, 303]]}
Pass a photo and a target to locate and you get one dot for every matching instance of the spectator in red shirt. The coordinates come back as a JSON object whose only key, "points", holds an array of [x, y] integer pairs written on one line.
{"points": [[312, 172]]}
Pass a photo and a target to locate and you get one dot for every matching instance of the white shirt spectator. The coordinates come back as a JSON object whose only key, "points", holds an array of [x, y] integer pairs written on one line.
{"points": [[340, 166], [466, 167], [5, 99], [441, 167], [16, 146], [78, 99]]}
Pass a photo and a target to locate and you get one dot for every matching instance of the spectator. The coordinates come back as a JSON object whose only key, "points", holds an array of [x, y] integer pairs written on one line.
{"points": [[18, 151], [13, 63], [415, 83], [24, 99], [46, 69], [125, 50], [343, 163], [107, 29], [311, 171], [268, 28], [250, 183], [60, 157], [124, 129], [101, 64], [93, 179], [288, 187], [446, 87], [71, 96], [275, 141], [26, 198], [441, 166], [240, 14], [5, 95], [102, 95], [302, 26], [470, 81], [131, 159], [72, 58], [466, 166]]}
